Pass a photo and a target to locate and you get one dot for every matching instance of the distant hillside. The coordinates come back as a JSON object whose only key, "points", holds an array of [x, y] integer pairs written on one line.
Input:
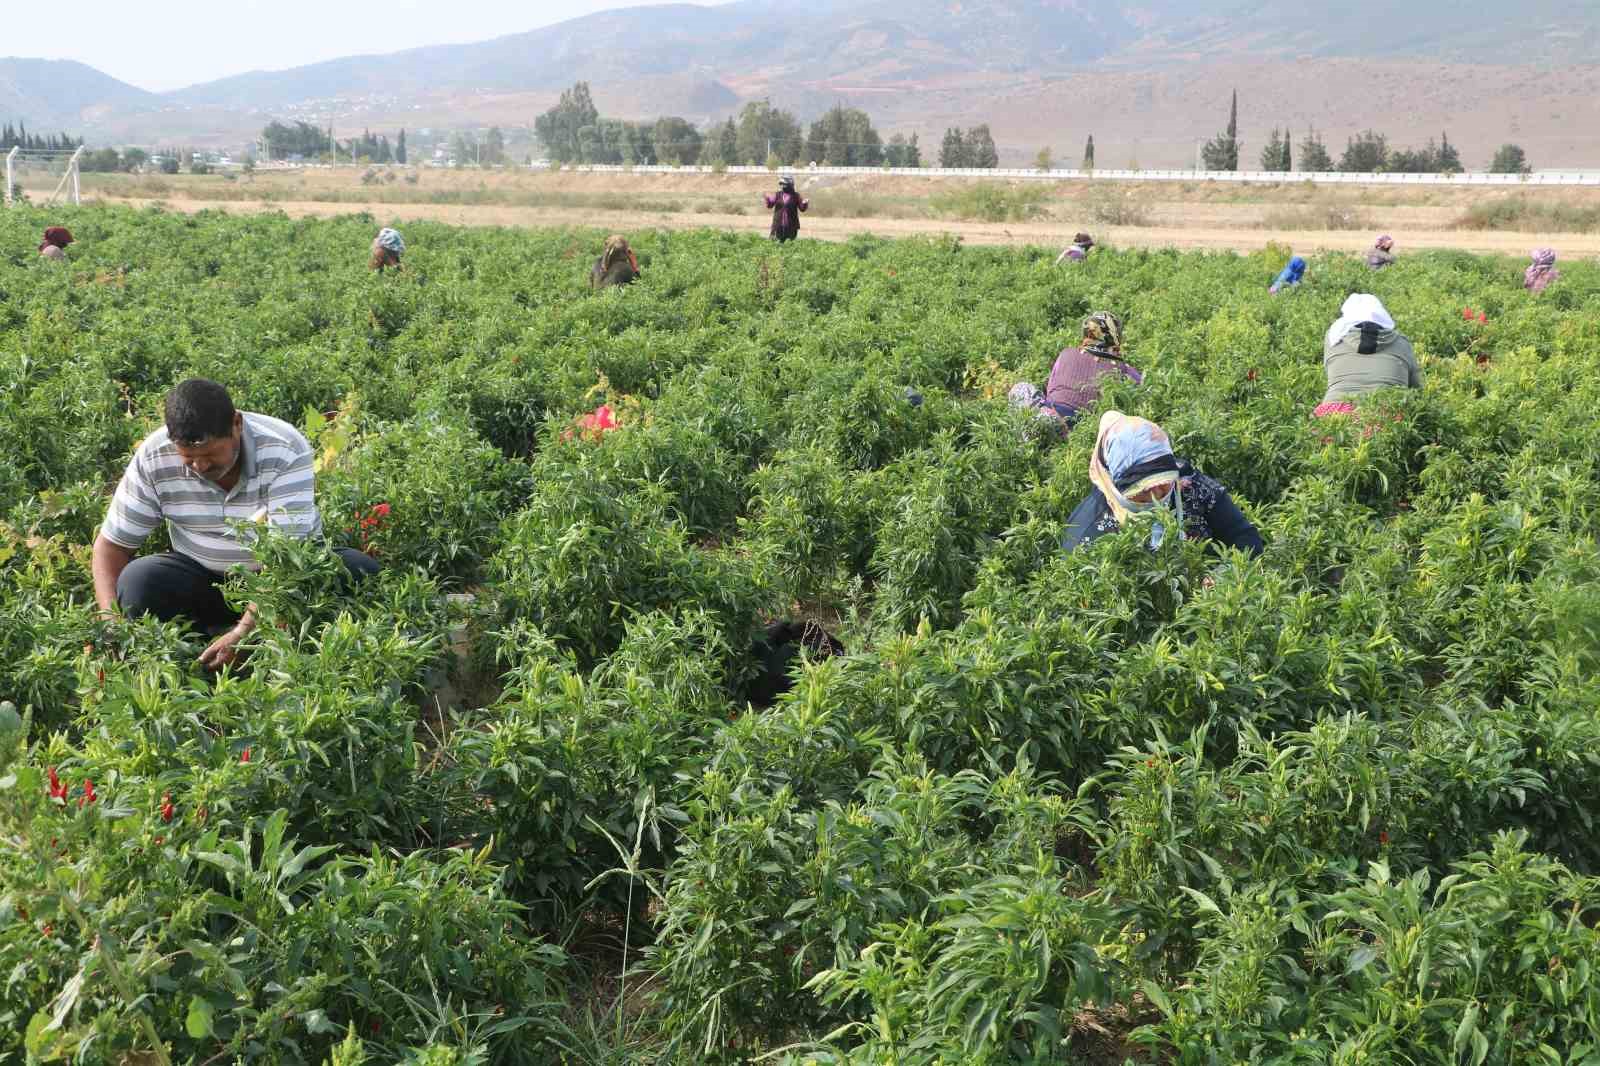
{"points": [[57, 94], [884, 43], [1147, 77]]}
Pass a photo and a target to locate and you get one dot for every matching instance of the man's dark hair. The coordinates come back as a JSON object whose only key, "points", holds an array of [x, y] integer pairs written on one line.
{"points": [[198, 410]]}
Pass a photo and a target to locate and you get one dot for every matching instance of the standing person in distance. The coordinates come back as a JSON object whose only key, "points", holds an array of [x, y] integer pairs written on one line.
{"points": [[387, 248], [1078, 250], [1382, 254], [210, 466], [1362, 352], [786, 205]]}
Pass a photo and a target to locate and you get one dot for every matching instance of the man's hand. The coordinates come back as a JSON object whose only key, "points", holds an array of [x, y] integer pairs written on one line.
{"points": [[222, 651], [105, 617]]}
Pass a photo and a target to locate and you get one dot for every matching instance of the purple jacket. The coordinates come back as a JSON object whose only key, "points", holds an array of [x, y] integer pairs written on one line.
{"points": [[1075, 378]]}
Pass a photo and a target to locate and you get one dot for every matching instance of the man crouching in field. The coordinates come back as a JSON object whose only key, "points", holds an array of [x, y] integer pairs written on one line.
{"points": [[208, 468]]}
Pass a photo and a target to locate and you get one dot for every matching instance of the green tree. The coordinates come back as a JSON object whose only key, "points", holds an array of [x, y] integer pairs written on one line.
{"points": [[728, 141], [1365, 153], [1449, 160], [1045, 160], [844, 137], [1314, 157], [400, 148], [953, 151], [1510, 159], [494, 147], [560, 128], [134, 158], [1222, 151], [301, 139], [1088, 153], [764, 129], [980, 146], [676, 141], [1272, 152]]}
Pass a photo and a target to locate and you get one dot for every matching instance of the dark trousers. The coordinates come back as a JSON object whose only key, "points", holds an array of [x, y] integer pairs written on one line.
{"points": [[172, 585]]}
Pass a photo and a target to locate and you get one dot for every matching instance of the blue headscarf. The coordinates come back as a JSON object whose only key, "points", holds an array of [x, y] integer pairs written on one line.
{"points": [[1293, 272]]}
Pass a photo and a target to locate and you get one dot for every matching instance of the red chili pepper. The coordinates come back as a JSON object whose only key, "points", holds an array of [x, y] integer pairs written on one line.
{"points": [[382, 510], [1383, 838], [1250, 375], [244, 756], [88, 793], [57, 789], [166, 807]]}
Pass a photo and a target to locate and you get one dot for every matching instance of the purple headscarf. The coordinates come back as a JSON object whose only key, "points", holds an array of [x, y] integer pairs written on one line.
{"points": [[1542, 272]]}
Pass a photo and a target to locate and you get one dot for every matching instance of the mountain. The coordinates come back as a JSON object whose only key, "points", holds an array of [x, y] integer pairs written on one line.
{"points": [[888, 42], [1146, 76], [53, 95]]}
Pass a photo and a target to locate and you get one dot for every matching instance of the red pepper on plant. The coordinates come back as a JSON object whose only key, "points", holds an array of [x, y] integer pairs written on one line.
{"points": [[166, 807], [88, 793], [244, 756], [57, 789]]}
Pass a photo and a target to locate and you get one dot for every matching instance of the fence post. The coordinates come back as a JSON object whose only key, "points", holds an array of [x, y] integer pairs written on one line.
{"points": [[10, 156]]}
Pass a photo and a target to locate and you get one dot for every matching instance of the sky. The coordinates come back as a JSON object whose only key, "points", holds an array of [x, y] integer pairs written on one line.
{"points": [[168, 44]]}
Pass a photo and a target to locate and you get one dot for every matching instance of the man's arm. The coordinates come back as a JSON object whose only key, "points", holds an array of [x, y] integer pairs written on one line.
{"points": [[108, 562]]}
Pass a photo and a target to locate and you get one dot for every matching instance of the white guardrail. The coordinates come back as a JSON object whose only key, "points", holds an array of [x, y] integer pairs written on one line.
{"points": [[1550, 177]]}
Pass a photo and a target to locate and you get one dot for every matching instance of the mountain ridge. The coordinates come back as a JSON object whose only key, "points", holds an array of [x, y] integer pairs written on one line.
{"points": [[914, 64]]}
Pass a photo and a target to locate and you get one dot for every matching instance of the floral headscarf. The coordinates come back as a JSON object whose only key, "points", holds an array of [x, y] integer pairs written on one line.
{"points": [[1543, 271], [1134, 455]]}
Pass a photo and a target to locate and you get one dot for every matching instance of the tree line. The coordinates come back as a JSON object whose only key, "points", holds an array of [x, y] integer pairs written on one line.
{"points": [[19, 137], [1368, 152], [573, 131], [303, 140]]}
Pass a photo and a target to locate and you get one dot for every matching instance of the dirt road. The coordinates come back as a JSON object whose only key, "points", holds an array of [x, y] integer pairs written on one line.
{"points": [[1214, 236]]}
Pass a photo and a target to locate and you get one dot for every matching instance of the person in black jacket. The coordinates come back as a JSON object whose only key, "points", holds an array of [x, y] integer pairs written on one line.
{"points": [[1137, 478]]}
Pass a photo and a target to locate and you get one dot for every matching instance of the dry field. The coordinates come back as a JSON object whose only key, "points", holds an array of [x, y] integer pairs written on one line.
{"points": [[980, 211]]}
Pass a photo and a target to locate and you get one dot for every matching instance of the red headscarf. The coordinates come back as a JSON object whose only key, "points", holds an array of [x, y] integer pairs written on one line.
{"points": [[59, 236]]}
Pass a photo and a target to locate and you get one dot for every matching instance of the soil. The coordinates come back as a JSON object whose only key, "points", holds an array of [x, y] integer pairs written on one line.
{"points": [[1211, 229]]}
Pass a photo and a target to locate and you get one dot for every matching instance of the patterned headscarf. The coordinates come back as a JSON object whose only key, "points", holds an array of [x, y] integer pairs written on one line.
{"points": [[1083, 239], [1543, 271], [56, 236], [1385, 242], [391, 241], [1102, 335], [617, 248], [1134, 455]]}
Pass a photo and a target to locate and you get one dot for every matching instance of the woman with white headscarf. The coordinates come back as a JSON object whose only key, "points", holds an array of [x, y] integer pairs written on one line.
{"points": [[1137, 479], [1362, 352]]}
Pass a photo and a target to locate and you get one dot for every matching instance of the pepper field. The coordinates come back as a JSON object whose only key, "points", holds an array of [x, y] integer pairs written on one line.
{"points": [[509, 805]]}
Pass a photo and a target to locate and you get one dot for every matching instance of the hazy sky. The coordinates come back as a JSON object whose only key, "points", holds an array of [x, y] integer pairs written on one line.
{"points": [[167, 44]]}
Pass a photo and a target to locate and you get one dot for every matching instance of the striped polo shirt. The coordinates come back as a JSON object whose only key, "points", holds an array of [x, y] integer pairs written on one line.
{"points": [[275, 475]]}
